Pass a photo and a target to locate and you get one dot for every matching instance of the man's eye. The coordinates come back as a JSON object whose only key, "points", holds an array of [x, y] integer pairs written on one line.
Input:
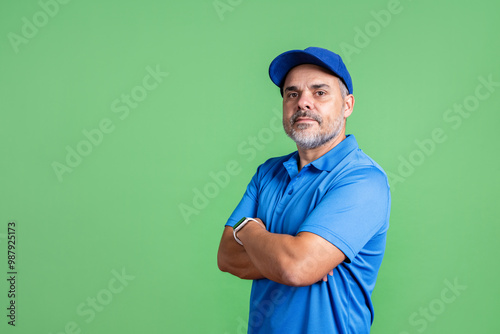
{"points": [[292, 95], [320, 93]]}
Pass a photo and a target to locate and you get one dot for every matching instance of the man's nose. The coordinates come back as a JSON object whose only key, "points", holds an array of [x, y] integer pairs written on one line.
{"points": [[305, 101]]}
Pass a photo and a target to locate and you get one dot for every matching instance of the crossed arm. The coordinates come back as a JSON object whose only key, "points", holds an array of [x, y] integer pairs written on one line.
{"points": [[299, 260]]}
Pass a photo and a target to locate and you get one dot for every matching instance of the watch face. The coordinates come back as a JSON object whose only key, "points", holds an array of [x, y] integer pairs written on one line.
{"points": [[239, 222]]}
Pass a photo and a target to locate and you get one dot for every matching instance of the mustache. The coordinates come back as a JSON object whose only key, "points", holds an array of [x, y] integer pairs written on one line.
{"points": [[305, 113]]}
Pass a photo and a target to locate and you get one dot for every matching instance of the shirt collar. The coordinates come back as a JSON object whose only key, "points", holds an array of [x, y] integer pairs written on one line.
{"points": [[326, 162], [332, 158]]}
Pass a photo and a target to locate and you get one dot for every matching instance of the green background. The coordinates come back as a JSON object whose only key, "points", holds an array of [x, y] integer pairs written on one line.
{"points": [[120, 208]]}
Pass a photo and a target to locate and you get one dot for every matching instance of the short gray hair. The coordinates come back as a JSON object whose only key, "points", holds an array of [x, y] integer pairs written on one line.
{"points": [[343, 88]]}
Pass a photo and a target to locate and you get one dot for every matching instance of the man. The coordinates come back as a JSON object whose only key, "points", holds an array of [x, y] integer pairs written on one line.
{"points": [[311, 227]]}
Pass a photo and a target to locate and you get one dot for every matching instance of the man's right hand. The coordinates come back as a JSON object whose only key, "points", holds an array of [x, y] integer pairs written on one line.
{"points": [[325, 279]]}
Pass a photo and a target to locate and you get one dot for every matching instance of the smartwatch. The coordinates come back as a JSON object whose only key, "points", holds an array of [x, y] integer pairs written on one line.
{"points": [[239, 225]]}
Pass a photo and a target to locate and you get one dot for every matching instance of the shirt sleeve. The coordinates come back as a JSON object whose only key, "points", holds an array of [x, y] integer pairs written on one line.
{"points": [[353, 211], [248, 204]]}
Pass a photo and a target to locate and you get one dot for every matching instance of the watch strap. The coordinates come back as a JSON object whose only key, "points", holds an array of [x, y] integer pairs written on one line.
{"points": [[239, 225]]}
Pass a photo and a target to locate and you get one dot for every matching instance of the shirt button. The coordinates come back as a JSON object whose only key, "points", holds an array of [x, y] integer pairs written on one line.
{"points": [[290, 192]]}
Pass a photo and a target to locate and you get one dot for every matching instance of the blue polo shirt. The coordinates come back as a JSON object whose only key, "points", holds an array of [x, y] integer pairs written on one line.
{"points": [[343, 197]]}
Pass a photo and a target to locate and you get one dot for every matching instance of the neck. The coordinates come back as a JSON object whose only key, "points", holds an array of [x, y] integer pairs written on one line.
{"points": [[309, 155]]}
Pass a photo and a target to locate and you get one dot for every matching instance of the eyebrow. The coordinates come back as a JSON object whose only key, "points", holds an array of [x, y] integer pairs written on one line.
{"points": [[317, 86], [313, 86], [291, 88]]}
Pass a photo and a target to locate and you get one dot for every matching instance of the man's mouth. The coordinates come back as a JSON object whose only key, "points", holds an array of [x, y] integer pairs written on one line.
{"points": [[305, 120]]}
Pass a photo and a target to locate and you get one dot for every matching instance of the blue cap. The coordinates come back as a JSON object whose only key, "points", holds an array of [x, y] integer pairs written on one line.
{"points": [[282, 64]]}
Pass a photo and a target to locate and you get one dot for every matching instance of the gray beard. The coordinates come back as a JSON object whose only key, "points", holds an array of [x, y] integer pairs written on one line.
{"points": [[306, 140]]}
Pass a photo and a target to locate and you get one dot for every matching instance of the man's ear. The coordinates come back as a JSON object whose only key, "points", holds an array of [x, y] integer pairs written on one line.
{"points": [[348, 105]]}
